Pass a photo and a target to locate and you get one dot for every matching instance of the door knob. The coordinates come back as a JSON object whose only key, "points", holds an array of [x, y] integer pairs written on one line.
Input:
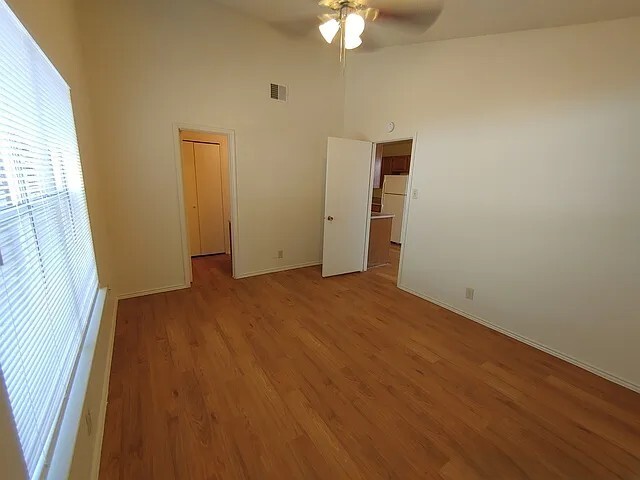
{"points": [[330, 218]]}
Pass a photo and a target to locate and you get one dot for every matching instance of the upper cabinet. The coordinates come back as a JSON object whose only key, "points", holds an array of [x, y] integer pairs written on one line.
{"points": [[391, 159], [400, 165], [390, 166]]}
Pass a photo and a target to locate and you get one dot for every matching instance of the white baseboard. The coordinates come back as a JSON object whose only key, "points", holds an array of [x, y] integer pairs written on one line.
{"points": [[102, 416], [528, 341], [153, 291], [278, 269]]}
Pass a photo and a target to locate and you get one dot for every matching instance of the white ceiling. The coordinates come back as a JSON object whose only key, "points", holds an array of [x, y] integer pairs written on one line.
{"points": [[464, 18], [470, 18]]}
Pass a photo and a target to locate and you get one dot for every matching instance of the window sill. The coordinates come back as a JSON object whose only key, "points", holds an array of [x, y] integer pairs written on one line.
{"points": [[65, 442]]}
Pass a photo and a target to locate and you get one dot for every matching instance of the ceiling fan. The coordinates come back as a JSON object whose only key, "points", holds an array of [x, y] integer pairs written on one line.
{"points": [[371, 23]]}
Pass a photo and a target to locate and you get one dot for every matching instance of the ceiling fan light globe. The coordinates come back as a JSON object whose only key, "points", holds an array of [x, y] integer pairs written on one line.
{"points": [[352, 42], [329, 30], [354, 25]]}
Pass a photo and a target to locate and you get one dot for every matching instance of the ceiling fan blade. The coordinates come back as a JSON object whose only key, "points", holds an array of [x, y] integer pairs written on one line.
{"points": [[299, 27], [400, 22], [417, 15], [309, 16]]}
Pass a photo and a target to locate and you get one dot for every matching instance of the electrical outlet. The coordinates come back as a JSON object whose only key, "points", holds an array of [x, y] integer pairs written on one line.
{"points": [[414, 194], [280, 253], [470, 293], [89, 422]]}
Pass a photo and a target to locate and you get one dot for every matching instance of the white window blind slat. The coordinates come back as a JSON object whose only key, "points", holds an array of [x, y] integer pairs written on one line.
{"points": [[48, 278]]}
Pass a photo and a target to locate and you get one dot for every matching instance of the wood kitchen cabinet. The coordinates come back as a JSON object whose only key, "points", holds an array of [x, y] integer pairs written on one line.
{"points": [[397, 165], [379, 239], [400, 165]]}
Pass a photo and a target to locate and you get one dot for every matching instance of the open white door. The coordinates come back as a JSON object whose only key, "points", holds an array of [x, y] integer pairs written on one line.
{"points": [[346, 207]]}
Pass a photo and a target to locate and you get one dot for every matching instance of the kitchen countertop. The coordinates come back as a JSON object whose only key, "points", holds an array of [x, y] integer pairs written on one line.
{"points": [[375, 215]]}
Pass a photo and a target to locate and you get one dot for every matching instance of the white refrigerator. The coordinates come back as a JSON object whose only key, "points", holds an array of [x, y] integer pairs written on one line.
{"points": [[394, 194]]}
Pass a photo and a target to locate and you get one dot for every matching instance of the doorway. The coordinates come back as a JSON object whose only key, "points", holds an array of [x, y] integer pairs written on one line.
{"points": [[366, 203], [207, 199], [391, 169]]}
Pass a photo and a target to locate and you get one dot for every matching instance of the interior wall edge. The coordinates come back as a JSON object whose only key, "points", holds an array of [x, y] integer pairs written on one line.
{"points": [[532, 343]]}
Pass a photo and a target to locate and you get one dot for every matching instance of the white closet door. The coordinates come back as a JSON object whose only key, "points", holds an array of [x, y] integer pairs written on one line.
{"points": [[191, 197], [210, 204]]}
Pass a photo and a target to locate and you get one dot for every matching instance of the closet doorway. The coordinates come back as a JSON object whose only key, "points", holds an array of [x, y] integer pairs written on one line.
{"points": [[206, 197]]}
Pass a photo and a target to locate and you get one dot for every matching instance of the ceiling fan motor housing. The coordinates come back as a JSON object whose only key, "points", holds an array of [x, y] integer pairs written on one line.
{"points": [[344, 7]]}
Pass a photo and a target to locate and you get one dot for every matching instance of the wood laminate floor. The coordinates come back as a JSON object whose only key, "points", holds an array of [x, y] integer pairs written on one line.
{"points": [[291, 376]]}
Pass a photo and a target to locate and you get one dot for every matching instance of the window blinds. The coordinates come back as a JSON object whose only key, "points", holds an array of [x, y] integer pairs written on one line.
{"points": [[48, 280]]}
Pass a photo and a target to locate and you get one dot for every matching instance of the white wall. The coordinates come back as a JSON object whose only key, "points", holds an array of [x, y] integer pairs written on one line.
{"points": [[528, 166], [53, 25], [155, 63]]}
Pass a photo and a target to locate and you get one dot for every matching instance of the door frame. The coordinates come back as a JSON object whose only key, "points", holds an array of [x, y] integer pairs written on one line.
{"points": [[405, 215], [233, 192]]}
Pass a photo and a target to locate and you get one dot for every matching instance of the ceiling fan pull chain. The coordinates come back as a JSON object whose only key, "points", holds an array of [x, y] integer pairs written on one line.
{"points": [[343, 47]]}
